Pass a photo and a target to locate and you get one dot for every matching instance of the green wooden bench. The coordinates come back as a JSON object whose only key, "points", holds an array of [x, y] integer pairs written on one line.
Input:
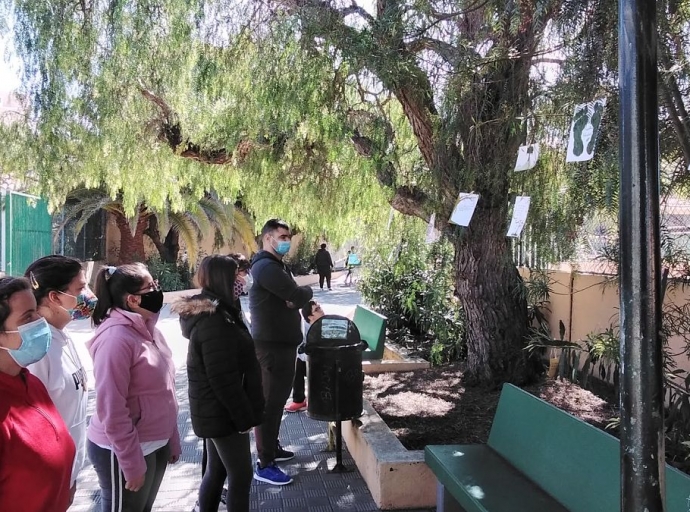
{"points": [[372, 329], [538, 459]]}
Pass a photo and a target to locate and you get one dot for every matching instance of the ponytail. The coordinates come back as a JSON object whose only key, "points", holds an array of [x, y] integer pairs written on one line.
{"points": [[113, 284]]}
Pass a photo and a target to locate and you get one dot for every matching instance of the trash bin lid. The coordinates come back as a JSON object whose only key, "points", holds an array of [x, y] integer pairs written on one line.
{"points": [[333, 331]]}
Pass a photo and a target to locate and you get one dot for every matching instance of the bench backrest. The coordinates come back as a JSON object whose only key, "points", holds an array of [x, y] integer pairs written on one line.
{"points": [[372, 329], [576, 463]]}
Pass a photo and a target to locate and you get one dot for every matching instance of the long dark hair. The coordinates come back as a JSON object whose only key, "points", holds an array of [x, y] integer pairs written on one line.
{"points": [[51, 273], [113, 284], [8, 287], [217, 275]]}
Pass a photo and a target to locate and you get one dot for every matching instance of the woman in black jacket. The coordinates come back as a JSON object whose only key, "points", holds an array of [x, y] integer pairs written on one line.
{"points": [[225, 394]]}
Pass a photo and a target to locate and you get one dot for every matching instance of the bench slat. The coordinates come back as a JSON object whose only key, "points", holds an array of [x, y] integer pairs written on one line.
{"points": [[482, 481]]}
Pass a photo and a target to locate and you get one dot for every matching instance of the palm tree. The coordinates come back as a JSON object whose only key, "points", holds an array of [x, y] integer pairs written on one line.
{"points": [[188, 223]]}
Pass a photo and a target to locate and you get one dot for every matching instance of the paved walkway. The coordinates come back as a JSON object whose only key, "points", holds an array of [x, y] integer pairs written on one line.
{"points": [[314, 490]]}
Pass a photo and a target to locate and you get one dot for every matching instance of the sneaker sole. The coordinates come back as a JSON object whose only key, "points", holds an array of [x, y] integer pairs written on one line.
{"points": [[267, 481], [284, 459], [296, 410]]}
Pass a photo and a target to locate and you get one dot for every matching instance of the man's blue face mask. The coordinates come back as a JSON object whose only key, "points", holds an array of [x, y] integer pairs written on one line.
{"points": [[282, 247]]}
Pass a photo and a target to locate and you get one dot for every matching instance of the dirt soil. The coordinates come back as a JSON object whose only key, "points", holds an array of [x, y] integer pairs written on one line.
{"points": [[432, 406]]}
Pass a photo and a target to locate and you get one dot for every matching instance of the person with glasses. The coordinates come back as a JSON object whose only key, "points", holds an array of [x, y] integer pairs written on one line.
{"points": [[36, 449], [62, 294], [133, 434]]}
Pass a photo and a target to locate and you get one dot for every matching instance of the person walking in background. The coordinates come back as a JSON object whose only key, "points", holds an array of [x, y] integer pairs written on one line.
{"points": [[352, 262], [274, 302], [225, 393], [310, 313], [59, 286], [36, 449], [324, 265], [133, 434]]}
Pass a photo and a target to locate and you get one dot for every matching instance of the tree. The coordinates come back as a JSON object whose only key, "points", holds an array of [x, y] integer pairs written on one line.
{"points": [[323, 111], [200, 216]]}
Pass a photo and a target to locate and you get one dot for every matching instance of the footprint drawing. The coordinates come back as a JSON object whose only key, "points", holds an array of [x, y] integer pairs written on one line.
{"points": [[580, 120], [596, 121]]}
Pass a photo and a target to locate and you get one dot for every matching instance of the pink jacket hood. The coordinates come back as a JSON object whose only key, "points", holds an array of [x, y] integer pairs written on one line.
{"points": [[135, 389]]}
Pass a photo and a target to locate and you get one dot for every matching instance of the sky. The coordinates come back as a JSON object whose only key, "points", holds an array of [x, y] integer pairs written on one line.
{"points": [[9, 64]]}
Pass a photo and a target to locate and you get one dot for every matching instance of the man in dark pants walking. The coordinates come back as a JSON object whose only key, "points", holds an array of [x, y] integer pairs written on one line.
{"points": [[324, 265], [274, 304]]}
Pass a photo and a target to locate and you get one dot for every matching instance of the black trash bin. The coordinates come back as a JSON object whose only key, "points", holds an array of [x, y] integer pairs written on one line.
{"points": [[334, 369]]}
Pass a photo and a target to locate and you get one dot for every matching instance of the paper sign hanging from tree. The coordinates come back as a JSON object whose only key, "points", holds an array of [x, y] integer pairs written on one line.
{"points": [[464, 209], [432, 234], [520, 211], [584, 130], [527, 157]]}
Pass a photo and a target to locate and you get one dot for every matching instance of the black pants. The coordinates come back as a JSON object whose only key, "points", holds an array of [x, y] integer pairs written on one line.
{"points": [[325, 274], [114, 496], [298, 382], [277, 372], [228, 457]]}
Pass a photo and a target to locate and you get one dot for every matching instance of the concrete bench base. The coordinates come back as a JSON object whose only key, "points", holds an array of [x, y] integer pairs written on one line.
{"points": [[397, 478]]}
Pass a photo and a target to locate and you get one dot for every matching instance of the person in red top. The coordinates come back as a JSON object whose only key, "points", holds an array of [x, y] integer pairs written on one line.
{"points": [[36, 449]]}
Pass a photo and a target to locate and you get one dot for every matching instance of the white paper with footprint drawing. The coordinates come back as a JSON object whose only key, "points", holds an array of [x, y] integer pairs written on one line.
{"points": [[527, 157], [520, 211], [584, 130]]}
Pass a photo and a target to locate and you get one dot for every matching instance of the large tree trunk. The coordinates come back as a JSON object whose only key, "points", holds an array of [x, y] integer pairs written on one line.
{"points": [[131, 245], [168, 249], [489, 288], [172, 246]]}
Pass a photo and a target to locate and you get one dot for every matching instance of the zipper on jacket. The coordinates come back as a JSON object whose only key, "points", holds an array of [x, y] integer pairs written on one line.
{"points": [[40, 411]]}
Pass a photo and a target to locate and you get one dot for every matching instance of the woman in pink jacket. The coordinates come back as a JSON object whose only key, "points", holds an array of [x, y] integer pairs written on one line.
{"points": [[133, 434]]}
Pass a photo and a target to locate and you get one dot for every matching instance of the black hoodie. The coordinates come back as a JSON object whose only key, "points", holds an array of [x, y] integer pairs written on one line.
{"points": [[225, 392], [273, 321]]}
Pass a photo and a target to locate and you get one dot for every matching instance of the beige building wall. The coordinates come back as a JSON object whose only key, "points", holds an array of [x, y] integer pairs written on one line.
{"points": [[590, 303]]}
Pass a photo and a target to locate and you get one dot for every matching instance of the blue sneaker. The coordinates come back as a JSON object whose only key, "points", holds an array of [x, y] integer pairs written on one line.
{"points": [[271, 474]]}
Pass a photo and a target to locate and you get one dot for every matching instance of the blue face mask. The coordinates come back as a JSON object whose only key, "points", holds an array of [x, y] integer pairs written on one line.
{"points": [[36, 338], [282, 247]]}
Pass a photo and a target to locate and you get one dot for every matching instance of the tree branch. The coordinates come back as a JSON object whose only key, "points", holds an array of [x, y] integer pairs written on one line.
{"points": [[356, 9], [410, 200], [446, 51], [170, 132]]}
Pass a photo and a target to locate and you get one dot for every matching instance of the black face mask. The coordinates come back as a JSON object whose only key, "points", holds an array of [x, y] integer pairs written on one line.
{"points": [[152, 301]]}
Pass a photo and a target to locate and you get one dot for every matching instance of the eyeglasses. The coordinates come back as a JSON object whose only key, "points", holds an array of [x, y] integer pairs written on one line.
{"points": [[153, 287]]}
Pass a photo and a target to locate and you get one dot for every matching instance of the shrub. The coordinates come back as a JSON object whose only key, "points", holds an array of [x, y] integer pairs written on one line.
{"points": [[413, 286], [171, 277]]}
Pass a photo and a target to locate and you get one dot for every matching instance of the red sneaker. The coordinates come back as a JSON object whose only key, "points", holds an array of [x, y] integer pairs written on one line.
{"points": [[296, 406]]}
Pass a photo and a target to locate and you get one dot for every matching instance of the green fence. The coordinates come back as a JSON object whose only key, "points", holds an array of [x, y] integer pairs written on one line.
{"points": [[26, 231]]}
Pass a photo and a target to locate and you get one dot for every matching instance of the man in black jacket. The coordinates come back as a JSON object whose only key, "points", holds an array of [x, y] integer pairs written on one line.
{"points": [[274, 304], [324, 265]]}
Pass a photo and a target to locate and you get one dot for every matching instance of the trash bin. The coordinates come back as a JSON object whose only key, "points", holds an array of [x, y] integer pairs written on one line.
{"points": [[334, 369]]}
